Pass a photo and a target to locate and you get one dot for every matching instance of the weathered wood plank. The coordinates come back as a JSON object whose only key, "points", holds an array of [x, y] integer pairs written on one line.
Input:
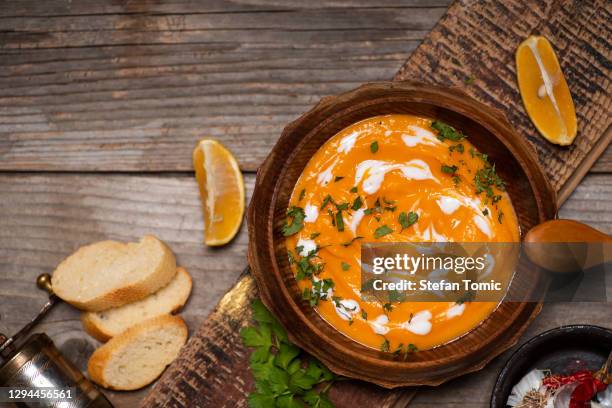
{"points": [[604, 163], [479, 42], [128, 87], [46, 217], [93, 7]]}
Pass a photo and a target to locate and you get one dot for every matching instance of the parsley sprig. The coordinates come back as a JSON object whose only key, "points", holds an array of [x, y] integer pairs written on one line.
{"points": [[284, 375], [295, 221], [447, 132]]}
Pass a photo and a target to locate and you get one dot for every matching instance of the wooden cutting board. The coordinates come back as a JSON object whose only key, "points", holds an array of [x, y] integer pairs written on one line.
{"points": [[471, 47]]}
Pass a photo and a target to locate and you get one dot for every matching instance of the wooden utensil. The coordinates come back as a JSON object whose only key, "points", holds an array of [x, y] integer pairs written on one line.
{"points": [[533, 199], [572, 252]]}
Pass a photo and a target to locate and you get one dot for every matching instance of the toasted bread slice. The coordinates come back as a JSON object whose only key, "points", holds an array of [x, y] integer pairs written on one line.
{"points": [[136, 357], [109, 323], [110, 274]]}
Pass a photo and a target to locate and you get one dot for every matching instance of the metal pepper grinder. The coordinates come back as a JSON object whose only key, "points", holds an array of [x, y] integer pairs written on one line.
{"points": [[33, 373]]}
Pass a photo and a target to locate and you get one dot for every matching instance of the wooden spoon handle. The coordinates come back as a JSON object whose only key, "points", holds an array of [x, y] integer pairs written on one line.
{"points": [[572, 250]]}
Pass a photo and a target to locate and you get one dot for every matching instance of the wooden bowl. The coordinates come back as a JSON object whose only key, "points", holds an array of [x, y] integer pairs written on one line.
{"points": [[488, 129]]}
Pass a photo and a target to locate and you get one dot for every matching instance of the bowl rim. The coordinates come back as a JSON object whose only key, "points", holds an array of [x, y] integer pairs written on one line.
{"points": [[517, 146]]}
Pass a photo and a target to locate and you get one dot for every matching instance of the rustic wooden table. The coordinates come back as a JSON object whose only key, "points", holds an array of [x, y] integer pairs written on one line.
{"points": [[101, 103]]}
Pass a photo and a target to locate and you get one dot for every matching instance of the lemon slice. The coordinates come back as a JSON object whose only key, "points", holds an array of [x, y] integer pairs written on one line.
{"points": [[545, 93], [221, 190]]}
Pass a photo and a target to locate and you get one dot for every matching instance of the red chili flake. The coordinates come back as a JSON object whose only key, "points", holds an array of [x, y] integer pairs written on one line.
{"points": [[586, 388]]}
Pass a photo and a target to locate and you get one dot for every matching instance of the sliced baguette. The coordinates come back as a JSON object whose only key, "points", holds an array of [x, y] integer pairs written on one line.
{"points": [[136, 357], [109, 323], [110, 274]]}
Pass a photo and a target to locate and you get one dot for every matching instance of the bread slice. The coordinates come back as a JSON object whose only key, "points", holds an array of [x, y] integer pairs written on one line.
{"points": [[111, 274], [109, 323], [139, 355]]}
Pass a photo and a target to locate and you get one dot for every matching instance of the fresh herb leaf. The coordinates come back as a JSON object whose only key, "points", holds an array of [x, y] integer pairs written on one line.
{"points": [[357, 204], [343, 206], [382, 231], [354, 189], [296, 215], [374, 147], [348, 243], [449, 169], [328, 199], [406, 220], [485, 211], [338, 178], [364, 314], [387, 307], [458, 147], [487, 178], [314, 235], [447, 132], [500, 216], [339, 221], [385, 346], [345, 266], [302, 194], [285, 377]]}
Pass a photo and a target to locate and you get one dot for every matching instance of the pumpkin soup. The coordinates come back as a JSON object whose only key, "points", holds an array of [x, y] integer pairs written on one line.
{"points": [[392, 178]]}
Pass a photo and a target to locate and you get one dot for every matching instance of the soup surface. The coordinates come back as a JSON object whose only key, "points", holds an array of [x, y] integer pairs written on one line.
{"points": [[392, 178]]}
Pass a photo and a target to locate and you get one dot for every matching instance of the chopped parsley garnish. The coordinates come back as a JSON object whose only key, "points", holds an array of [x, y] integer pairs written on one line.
{"points": [[485, 211], [302, 194], [364, 314], [345, 266], [449, 169], [338, 178], [456, 180], [374, 147], [387, 307], [306, 269], [385, 346], [458, 147], [447, 132], [500, 216], [314, 235], [406, 220], [357, 204], [284, 375], [354, 189], [328, 199], [382, 231], [348, 243], [487, 178], [296, 215], [339, 221], [342, 207]]}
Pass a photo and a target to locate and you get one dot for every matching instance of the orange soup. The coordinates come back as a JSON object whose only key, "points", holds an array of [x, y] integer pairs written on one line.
{"points": [[392, 178]]}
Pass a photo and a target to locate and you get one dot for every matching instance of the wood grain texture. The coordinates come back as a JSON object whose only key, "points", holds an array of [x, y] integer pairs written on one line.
{"points": [[45, 218], [209, 370], [132, 85], [212, 370], [477, 40]]}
